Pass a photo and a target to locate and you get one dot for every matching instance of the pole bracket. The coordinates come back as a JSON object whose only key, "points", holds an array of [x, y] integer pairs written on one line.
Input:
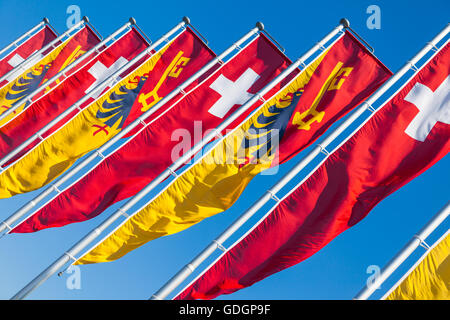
{"points": [[220, 246], [71, 257], [369, 107], [433, 46], [124, 213], [100, 154], [422, 242], [273, 196], [173, 173], [55, 188], [219, 134], [7, 225], [323, 150], [413, 66], [261, 98]]}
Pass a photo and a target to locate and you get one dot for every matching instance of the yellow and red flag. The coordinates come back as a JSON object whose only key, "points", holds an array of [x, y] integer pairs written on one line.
{"points": [[66, 93], [408, 135], [139, 160], [334, 84], [103, 119], [35, 43], [429, 279], [55, 61]]}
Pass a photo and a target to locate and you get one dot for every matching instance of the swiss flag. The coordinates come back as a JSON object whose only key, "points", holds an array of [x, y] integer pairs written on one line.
{"points": [[69, 91], [406, 137], [35, 43]]}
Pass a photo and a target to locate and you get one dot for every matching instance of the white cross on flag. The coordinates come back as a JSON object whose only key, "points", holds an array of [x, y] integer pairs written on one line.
{"points": [[100, 72], [433, 107], [232, 92]]}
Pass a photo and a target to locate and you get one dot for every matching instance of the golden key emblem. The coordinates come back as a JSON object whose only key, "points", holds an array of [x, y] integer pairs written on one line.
{"points": [[334, 81], [149, 99]]}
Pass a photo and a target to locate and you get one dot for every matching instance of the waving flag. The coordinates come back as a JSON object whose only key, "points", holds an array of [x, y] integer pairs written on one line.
{"points": [[334, 84], [135, 164], [35, 43], [402, 140], [46, 68], [68, 92], [429, 279], [104, 118]]}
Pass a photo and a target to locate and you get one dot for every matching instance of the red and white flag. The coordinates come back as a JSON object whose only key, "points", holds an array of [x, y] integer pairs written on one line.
{"points": [[406, 137], [35, 43], [68, 92], [150, 152]]}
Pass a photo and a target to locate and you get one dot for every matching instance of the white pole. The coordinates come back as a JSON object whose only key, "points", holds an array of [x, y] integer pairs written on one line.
{"points": [[271, 193], [63, 73], [35, 57], [217, 132], [407, 250], [84, 242], [77, 105], [7, 224], [427, 251], [26, 34]]}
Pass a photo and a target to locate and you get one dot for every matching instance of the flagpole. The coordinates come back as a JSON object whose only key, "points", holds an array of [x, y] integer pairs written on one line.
{"points": [[271, 193], [7, 223], [63, 73], [70, 254], [217, 131], [25, 35], [416, 241], [427, 251], [27, 63], [77, 105]]}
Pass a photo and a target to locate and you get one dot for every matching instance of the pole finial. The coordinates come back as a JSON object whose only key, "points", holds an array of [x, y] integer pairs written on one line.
{"points": [[86, 19], [345, 22], [46, 20], [186, 20], [260, 25], [132, 20]]}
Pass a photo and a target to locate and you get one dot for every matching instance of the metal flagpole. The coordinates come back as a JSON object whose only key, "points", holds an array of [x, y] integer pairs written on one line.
{"points": [[89, 94], [416, 241], [427, 251], [6, 224], [63, 73], [175, 281], [31, 60], [217, 131], [15, 43], [69, 255]]}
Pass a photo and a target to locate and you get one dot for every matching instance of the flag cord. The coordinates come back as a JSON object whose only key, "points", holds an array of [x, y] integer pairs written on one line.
{"points": [[59, 263], [182, 275], [85, 58], [416, 241]]}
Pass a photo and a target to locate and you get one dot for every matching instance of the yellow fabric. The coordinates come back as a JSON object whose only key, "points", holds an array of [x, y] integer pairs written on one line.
{"points": [[34, 71], [76, 138], [430, 280], [207, 188]]}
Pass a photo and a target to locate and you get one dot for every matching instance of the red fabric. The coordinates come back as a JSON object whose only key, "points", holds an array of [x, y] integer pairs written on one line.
{"points": [[31, 45], [377, 160], [141, 159], [49, 106]]}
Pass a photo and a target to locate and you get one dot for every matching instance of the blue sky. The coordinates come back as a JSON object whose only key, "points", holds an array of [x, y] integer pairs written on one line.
{"points": [[336, 272]]}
